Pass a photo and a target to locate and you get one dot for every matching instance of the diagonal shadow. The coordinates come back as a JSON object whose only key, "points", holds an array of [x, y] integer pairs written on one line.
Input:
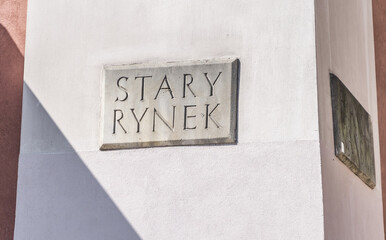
{"points": [[11, 83], [57, 195]]}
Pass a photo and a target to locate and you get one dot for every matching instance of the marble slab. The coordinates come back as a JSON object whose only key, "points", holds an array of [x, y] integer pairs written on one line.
{"points": [[353, 132], [166, 104]]}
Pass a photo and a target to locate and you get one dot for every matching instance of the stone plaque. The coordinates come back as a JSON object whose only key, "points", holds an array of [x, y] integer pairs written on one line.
{"points": [[353, 134], [176, 103]]}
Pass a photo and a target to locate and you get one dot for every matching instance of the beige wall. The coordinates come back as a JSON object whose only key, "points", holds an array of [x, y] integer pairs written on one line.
{"points": [[345, 47]]}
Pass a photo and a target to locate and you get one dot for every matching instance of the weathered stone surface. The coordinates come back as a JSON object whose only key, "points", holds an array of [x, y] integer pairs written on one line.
{"points": [[178, 103], [353, 135]]}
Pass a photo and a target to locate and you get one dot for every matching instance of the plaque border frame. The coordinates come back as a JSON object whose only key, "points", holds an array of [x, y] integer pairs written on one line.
{"points": [[232, 138]]}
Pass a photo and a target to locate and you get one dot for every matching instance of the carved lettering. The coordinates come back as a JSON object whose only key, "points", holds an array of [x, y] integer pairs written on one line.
{"points": [[165, 88], [143, 85], [136, 118], [209, 115], [171, 127], [186, 116], [122, 88], [210, 83], [118, 120], [188, 85]]}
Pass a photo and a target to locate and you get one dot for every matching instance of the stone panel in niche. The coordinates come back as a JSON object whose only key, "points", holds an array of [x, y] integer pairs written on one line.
{"points": [[353, 135]]}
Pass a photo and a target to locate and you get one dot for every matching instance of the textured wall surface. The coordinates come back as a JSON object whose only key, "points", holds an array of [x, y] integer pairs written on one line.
{"points": [[12, 36], [379, 18], [345, 47], [266, 187]]}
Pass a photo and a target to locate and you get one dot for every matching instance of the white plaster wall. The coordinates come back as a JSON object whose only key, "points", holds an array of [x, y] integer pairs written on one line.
{"points": [[345, 47], [266, 187]]}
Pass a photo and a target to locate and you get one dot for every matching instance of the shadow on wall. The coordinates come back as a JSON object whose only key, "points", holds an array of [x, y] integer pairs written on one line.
{"points": [[11, 83], [71, 202]]}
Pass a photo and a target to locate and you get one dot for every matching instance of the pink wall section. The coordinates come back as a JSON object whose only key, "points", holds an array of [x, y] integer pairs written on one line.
{"points": [[12, 41]]}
